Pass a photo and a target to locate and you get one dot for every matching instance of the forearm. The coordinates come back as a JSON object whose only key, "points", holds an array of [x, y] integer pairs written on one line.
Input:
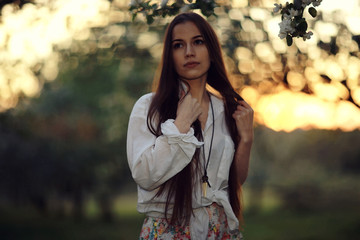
{"points": [[242, 158], [159, 163], [153, 160]]}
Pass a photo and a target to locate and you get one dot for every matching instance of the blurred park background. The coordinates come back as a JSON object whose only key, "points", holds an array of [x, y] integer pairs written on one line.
{"points": [[70, 72]]}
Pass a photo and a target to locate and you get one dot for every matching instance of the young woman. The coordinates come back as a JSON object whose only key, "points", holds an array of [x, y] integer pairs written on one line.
{"points": [[189, 150]]}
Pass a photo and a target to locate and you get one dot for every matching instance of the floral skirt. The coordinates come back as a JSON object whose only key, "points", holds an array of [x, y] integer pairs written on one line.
{"points": [[159, 229]]}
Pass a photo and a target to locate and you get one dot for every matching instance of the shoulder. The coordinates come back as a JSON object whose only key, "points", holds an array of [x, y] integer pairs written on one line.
{"points": [[142, 104], [217, 99], [145, 99]]}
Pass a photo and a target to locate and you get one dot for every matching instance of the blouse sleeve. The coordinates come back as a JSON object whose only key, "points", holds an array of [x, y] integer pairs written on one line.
{"points": [[153, 160]]}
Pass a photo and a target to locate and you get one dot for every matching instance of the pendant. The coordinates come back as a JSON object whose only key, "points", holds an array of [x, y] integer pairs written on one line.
{"points": [[205, 184], [204, 188]]}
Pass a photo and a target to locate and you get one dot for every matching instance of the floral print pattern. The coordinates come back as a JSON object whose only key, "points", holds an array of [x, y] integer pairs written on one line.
{"points": [[159, 229], [218, 226]]}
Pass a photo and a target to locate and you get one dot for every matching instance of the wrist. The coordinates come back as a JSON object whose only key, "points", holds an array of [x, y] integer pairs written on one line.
{"points": [[182, 126], [246, 139]]}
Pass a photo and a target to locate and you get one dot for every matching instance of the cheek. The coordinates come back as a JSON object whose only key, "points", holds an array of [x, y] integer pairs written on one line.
{"points": [[206, 55], [177, 61]]}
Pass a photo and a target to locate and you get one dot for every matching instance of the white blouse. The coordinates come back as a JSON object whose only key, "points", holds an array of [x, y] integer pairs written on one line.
{"points": [[153, 160]]}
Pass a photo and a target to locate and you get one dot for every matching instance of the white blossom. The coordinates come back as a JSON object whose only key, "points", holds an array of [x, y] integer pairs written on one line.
{"points": [[277, 8], [135, 2], [285, 27], [185, 8], [307, 35], [316, 3], [163, 3], [282, 35], [287, 16], [293, 13], [306, 3]]}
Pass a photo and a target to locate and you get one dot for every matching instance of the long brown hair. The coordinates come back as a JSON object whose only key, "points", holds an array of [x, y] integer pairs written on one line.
{"points": [[164, 106]]}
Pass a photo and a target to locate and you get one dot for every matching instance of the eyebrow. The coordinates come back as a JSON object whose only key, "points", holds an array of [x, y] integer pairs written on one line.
{"points": [[197, 36]]}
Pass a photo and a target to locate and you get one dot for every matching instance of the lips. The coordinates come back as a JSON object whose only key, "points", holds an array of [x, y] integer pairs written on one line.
{"points": [[191, 64]]}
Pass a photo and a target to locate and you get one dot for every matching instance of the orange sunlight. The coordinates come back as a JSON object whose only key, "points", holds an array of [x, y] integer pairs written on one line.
{"points": [[287, 111]]}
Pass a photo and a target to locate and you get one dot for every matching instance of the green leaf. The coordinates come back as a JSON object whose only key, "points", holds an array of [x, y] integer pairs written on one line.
{"points": [[149, 19], [302, 27], [134, 16], [289, 40], [154, 6], [294, 23], [313, 12]]}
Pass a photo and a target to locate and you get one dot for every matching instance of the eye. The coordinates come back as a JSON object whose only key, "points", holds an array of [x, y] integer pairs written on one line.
{"points": [[177, 45], [199, 41]]}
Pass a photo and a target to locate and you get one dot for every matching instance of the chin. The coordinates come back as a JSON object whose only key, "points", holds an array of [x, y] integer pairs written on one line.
{"points": [[190, 77]]}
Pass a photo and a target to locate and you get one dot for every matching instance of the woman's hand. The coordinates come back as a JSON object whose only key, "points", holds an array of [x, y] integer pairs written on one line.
{"points": [[187, 112], [244, 117]]}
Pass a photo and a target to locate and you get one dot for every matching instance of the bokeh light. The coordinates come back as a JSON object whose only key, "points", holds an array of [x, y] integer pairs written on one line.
{"points": [[312, 84], [30, 38]]}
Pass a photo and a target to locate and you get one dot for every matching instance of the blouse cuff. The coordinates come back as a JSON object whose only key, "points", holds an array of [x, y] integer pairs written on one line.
{"points": [[169, 129]]}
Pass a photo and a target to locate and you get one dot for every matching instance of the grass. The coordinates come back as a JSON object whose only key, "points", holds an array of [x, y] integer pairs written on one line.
{"points": [[314, 225], [25, 223]]}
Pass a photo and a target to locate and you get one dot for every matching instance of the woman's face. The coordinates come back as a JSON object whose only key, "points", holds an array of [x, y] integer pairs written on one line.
{"points": [[189, 51]]}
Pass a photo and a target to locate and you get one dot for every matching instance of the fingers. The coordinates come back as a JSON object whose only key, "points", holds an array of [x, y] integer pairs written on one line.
{"points": [[188, 108], [183, 94], [243, 104], [196, 108], [239, 114], [244, 120], [243, 109]]}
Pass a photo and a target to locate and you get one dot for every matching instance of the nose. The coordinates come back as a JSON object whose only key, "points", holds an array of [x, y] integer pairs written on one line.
{"points": [[189, 51]]}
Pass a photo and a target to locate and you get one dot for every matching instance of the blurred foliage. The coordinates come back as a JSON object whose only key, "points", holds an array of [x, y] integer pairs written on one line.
{"points": [[307, 170], [152, 10], [69, 143], [272, 224]]}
